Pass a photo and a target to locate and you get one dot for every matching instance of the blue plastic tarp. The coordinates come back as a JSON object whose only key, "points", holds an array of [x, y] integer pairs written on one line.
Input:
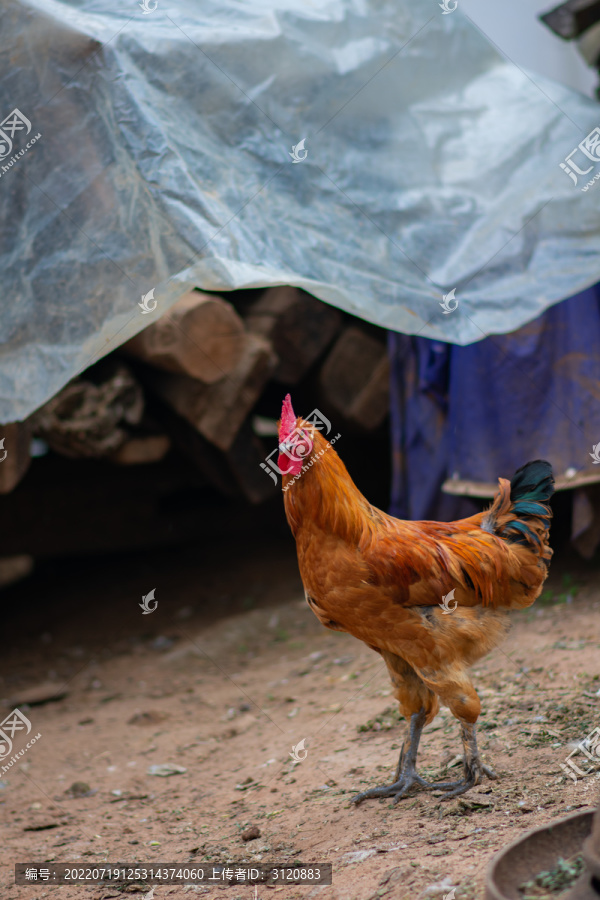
{"points": [[149, 147]]}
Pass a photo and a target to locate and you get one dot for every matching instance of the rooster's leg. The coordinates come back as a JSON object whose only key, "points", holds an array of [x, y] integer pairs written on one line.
{"points": [[406, 772], [474, 768]]}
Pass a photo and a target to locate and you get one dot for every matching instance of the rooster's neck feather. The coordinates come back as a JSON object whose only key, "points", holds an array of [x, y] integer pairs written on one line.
{"points": [[326, 495]]}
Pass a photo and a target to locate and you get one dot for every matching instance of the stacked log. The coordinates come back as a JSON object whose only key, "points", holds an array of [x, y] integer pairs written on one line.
{"points": [[354, 379], [201, 336], [206, 381], [90, 420], [298, 326], [218, 410], [14, 454]]}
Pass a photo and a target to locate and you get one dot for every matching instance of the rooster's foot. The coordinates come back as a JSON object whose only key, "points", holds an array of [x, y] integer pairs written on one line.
{"points": [[475, 769], [397, 790], [472, 777], [406, 774]]}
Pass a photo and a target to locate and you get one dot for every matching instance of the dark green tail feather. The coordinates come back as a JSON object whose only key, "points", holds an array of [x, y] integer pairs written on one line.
{"points": [[531, 488], [533, 481]]}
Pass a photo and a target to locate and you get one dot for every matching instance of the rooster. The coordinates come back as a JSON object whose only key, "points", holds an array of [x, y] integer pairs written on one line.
{"points": [[381, 579]]}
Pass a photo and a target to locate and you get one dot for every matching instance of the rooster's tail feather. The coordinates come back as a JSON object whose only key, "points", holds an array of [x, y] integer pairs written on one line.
{"points": [[520, 512], [533, 481]]}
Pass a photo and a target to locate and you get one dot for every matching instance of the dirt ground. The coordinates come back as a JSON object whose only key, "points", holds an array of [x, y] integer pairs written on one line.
{"points": [[223, 679]]}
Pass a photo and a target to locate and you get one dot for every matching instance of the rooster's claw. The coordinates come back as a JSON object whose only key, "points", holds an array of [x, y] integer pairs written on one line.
{"points": [[407, 775], [397, 790], [474, 775]]}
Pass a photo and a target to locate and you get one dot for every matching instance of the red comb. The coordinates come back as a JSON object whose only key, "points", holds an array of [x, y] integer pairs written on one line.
{"points": [[288, 418]]}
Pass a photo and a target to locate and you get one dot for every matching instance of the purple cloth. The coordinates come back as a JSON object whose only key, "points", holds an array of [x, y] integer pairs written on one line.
{"points": [[483, 410]]}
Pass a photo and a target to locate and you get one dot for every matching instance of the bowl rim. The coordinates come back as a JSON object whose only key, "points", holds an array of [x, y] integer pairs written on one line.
{"points": [[492, 890]]}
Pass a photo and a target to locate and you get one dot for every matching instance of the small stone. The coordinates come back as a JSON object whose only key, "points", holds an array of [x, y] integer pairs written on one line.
{"points": [[251, 833], [152, 717], [165, 769], [357, 856], [439, 889], [79, 789], [162, 643]]}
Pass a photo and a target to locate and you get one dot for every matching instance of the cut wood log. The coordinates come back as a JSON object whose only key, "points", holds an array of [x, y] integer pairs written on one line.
{"points": [[90, 420], [234, 472], [299, 326], [141, 450], [244, 459], [355, 378], [14, 568], [217, 411], [201, 335], [15, 438]]}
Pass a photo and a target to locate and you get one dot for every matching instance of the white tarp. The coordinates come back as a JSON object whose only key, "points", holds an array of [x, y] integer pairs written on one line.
{"points": [[149, 148]]}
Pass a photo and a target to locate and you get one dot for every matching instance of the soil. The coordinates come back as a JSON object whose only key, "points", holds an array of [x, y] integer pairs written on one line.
{"points": [[222, 680]]}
